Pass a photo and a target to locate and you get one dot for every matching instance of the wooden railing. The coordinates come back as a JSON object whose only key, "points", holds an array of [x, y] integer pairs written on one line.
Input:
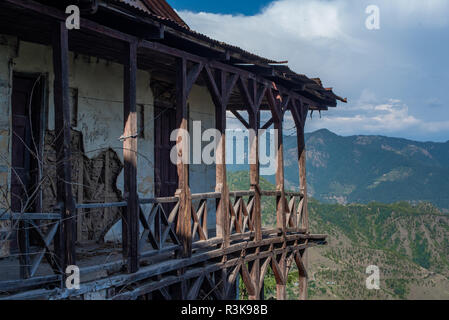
{"points": [[45, 233], [159, 226], [242, 212], [295, 218]]}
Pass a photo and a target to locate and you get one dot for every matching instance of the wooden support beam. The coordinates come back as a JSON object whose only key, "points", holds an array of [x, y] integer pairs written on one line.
{"points": [[255, 278], [130, 222], [184, 225], [220, 86], [65, 243], [303, 280], [280, 181], [240, 118], [280, 273], [300, 264], [278, 106], [223, 222], [302, 162], [247, 280], [192, 76], [254, 172], [268, 124], [247, 97], [274, 104], [23, 241], [301, 116]]}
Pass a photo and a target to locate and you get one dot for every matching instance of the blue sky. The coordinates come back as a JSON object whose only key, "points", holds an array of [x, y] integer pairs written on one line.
{"points": [[245, 7], [396, 78]]}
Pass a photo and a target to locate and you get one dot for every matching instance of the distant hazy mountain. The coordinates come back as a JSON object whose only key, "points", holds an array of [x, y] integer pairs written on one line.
{"points": [[360, 169]]}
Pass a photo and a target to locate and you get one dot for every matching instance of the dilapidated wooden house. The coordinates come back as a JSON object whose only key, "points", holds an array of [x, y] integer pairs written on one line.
{"points": [[86, 179]]}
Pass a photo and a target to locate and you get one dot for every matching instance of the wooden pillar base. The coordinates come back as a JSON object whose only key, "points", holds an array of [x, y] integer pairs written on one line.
{"points": [[281, 292]]}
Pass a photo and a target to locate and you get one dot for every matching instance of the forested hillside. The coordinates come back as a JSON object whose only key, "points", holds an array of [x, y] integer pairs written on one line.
{"points": [[409, 243]]}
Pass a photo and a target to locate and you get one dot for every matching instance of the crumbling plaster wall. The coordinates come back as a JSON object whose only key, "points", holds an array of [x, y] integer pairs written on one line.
{"points": [[100, 105], [100, 111]]}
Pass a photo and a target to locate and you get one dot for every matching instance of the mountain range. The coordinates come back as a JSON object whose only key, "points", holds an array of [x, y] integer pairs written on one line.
{"points": [[361, 169], [383, 201]]}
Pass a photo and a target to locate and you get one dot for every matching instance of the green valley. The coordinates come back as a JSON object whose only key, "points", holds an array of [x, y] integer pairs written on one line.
{"points": [[408, 242]]}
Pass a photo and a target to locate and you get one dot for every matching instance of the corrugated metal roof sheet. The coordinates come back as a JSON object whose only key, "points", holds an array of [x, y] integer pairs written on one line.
{"points": [[183, 27], [163, 9], [158, 8]]}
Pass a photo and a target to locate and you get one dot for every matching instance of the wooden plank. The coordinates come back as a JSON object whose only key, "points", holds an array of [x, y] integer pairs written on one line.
{"points": [[130, 223], [255, 276], [169, 266], [193, 76], [17, 285], [30, 216], [280, 181], [247, 280], [184, 225], [65, 247], [274, 105], [254, 173], [102, 205], [240, 118], [268, 124], [303, 279], [302, 168], [80, 199], [278, 272], [23, 237], [45, 240], [220, 91], [303, 287], [245, 93], [195, 288]]}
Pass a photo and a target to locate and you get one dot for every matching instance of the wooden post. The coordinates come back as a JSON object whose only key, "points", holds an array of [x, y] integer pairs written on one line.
{"points": [[184, 225], [223, 223], [254, 173], [65, 242], [302, 176], [280, 184], [303, 283], [303, 110], [23, 237], [80, 199], [280, 205], [130, 222], [220, 88], [254, 99]]}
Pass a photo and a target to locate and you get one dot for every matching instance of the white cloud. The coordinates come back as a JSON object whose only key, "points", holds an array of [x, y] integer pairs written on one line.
{"points": [[328, 39], [388, 118]]}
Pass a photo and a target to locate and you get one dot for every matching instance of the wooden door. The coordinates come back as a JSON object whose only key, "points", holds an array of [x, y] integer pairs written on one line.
{"points": [[26, 110], [166, 175], [25, 150]]}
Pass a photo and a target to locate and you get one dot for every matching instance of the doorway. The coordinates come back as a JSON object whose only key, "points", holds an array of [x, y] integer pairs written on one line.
{"points": [[166, 174], [27, 106]]}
